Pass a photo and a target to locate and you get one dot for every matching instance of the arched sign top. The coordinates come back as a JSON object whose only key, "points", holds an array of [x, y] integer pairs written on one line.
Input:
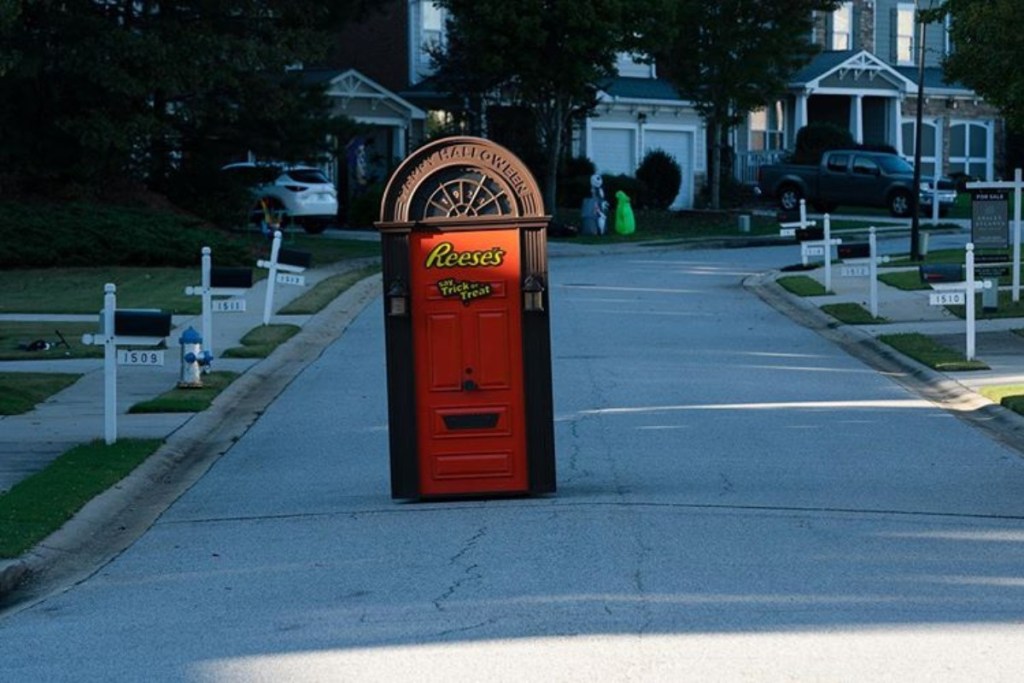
{"points": [[460, 179]]}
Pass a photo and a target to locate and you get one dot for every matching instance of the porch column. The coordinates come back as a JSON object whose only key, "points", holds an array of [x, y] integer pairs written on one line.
{"points": [[896, 123], [857, 118], [801, 110]]}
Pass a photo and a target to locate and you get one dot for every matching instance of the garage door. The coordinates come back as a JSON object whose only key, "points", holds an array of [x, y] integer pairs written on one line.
{"points": [[613, 150], [679, 144]]}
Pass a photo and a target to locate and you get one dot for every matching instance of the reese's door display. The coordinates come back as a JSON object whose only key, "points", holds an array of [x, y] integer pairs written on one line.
{"points": [[466, 321]]}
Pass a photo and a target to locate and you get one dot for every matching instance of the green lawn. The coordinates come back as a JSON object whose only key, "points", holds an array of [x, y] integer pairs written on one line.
{"points": [[927, 351], [20, 392], [37, 506]]}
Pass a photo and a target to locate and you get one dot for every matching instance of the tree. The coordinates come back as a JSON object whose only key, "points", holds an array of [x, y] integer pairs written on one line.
{"points": [[102, 90], [731, 57], [987, 47], [542, 55]]}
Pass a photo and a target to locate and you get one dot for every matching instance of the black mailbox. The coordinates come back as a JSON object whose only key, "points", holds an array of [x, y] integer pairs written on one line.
{"points": [[855, 250], [942, 272], [809, 234], [238, 278], [294, 257], [141, 323], [787, 216]]}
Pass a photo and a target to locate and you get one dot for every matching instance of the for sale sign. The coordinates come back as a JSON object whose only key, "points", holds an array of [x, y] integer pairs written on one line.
{"points": [[990, 223]]}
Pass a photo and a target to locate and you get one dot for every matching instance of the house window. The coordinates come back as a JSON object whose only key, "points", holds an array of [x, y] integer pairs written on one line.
{"points": [[842, 27], [969, 148], [905, 26], [766, 131], [428, 33], [929, 131]]}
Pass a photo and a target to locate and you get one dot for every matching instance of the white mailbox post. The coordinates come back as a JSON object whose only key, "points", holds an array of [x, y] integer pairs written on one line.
{"points": [[219, 282], [961, 293], [126, 327], [861, 260], [285, 268]]}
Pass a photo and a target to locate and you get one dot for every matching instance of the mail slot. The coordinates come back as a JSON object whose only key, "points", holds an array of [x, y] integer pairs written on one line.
{"points": [[466, 320], [236, 278], [140, 322], [941, 272], [294, 257], [853, 250]]}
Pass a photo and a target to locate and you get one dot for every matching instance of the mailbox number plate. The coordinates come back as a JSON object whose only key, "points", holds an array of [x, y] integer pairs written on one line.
{"points": [[289, 279], [131, 357], [814, 251], [854, 271], [947, 298], [787, 232], [228, 305]]}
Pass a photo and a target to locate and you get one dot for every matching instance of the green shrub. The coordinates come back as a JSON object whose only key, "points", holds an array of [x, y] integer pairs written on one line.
{"points": [[574, 181], [662, 175], [45, 235], [218, 197], [365, 207], [634, 188], [815, 139]]}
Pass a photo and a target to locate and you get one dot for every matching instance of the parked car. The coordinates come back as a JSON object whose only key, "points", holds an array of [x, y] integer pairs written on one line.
{"points": [[301, 195], [851, 178]]}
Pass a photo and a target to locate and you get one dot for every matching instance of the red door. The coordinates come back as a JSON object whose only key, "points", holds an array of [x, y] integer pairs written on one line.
{"points": [[467, 336]]}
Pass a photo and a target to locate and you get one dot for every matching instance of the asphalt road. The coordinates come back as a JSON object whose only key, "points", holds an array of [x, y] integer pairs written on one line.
{"points": [[739, 499]]}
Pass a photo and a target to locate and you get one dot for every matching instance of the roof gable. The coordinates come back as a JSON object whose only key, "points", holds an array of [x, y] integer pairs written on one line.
{"points": [[350, 85], [850, 68]]}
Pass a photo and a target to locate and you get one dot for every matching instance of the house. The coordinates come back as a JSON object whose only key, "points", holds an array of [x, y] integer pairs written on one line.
{"points": [[867, 79], [384, 81], [637, 112]]}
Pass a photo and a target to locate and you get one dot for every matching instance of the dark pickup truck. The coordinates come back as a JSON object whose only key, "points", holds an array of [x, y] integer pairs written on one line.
{"points": [[851, 178]]}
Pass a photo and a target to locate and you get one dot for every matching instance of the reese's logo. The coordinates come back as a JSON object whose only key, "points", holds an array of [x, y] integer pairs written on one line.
{"points": [[444, 255]]}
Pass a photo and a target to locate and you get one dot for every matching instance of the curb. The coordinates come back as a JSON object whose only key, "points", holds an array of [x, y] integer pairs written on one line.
{"points": [[999, 423], [112, 521]]}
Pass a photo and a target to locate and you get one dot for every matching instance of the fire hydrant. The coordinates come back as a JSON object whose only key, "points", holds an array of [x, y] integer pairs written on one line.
{"points": [[193, 359]]}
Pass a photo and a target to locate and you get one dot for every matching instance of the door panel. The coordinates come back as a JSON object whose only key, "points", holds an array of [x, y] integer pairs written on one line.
{"points": [[467, 339]]}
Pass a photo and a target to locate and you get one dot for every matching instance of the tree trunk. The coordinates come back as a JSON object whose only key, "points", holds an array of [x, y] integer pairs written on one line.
{"points": [[716, 164], [553, 141]]}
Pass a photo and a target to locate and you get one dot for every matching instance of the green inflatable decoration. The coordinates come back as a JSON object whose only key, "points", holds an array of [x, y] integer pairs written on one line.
{"points": [[625, 222]]}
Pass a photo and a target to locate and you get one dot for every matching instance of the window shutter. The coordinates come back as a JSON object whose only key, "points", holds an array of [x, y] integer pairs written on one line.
{"points": [[894, 35]]}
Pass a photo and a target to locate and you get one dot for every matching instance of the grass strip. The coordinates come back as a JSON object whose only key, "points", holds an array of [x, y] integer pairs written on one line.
{"points": [[20, 392], [1010, 396], [39, 505], [926, 350], [907, 280], [1005, 308], [326, 291], [851, 314], [802, 285], [188, 399], [260, 342]]}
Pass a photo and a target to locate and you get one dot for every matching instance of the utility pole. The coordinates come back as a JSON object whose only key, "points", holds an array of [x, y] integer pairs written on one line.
{"points": [[915, 195]]}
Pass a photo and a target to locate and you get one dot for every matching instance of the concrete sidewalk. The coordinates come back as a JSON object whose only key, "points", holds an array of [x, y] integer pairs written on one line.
{"points": [[29, 442], [905, 311]]}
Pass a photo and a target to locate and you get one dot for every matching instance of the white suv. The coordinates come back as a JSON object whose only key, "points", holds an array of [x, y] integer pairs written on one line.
{"points": [[294, 194]]}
